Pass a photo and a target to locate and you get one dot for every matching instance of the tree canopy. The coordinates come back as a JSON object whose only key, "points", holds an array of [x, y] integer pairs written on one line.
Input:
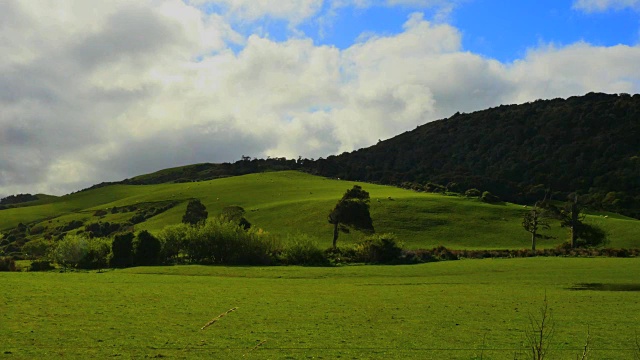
{"points": [[196, 213], [351, 211]]}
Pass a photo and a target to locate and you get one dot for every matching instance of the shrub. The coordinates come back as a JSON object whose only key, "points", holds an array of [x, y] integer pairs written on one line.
{"points": [[173, 240], [37, 248], [378, 248], [40, 265], [70, 250], [122, 251], [223, 242], [146, 249], [472, 193], [489, 198], [7, 264], [97, 256], [302, 250]]}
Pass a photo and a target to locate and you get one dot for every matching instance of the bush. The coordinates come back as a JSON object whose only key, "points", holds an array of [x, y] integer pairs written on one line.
{"points": [[35, 249], [302, 250], [489, 198], [40, 265], [122, 251], [379, 248], [7, 264], [223, 242], [97, 256], [70, 250], [173, 240], [146, 249], [472, 193]]}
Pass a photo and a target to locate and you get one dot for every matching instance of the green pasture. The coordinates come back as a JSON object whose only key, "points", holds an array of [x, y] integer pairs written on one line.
{"points": [[464, 309], [292, 202]]}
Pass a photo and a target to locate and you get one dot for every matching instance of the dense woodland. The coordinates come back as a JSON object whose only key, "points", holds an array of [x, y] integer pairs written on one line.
{"points": [[587, 144]]}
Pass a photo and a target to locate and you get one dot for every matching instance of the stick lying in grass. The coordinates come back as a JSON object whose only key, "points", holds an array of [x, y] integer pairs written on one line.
{"points": [[218, 318]]}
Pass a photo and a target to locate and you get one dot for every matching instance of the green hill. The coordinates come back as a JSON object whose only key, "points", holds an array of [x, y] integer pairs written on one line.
{"points": [[291, 202], [585, 144]]}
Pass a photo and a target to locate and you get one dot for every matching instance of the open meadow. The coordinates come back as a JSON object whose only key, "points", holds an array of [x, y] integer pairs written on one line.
{"points": [[467, 309]]}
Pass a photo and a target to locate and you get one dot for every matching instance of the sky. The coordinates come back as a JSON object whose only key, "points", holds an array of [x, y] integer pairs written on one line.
{"points": [[94, 91]]}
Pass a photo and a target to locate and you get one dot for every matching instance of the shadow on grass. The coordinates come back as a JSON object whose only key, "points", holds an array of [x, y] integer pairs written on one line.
{"points": [[605, 287]]}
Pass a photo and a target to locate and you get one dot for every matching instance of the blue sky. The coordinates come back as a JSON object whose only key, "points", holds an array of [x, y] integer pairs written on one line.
{"points": [[98, 90], [498, 29]]}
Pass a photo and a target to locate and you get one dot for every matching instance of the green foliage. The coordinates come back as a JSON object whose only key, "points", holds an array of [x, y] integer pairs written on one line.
{"points": [[35, 249], [489, 198], [147, 249], [122, 251], [223, 242], [70, 250], [173, 240], [584, 143], [351, 211], [235, 214], [7, 263], [301, 249], [472, 193], [378, 248], [40, 265], [196, 213]]}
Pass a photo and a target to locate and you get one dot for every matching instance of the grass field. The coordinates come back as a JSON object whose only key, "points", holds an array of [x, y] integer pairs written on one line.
{"points": [[291, 202], [448, 310]]}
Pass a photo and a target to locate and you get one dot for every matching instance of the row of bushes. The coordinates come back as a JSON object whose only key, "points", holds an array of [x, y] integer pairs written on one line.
{"points": [[226, 243], [442, 253]]}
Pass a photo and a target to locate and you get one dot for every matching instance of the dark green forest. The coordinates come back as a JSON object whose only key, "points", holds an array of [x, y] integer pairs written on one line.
{"points": [[587, 145]]}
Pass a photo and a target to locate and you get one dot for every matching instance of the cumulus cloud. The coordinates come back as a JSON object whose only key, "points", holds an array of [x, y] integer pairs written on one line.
{"points": [[294, 11], [120, 88], [604, 5]]}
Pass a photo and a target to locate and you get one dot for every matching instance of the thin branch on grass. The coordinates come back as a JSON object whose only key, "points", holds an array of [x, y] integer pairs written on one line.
{"points": [[540, 331], [587, 347], [218, 318], [636, 350]]}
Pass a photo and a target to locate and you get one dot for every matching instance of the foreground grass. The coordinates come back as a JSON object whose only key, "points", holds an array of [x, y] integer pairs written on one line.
{"points": [[452, 310], [291, 202]]}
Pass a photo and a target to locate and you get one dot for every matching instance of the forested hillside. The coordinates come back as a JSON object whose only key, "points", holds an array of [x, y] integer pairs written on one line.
{"points": [[586, 144]]}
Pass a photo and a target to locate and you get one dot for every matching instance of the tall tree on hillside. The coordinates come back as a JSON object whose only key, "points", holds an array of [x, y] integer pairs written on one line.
{"points": [[196, 213], [534, 220], [580, 233], [351, 211]]}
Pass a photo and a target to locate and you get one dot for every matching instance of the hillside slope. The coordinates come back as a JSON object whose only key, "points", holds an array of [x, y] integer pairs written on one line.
{"points": [[289, 203], [586, 144]]}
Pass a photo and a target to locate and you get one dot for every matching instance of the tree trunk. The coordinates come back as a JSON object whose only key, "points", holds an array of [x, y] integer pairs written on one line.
{"points": [[335, 234], [574, 222], [533, 241]]}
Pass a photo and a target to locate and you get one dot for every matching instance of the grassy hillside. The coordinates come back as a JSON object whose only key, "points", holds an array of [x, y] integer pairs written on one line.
{"points": [[468, 309], [292, 202]]}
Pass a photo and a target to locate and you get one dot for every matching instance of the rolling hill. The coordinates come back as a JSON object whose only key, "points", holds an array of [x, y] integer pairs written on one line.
{"points": [[584, 144], [291, 202]]}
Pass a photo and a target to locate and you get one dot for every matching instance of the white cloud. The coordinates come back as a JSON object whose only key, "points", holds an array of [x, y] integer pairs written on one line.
{"points": [[91, 94], [604, 5], [294, 11]]}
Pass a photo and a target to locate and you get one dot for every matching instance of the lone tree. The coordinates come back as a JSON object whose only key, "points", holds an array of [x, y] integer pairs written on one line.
{"points": [[351, 211], [533, 221], [581, 234], [196, 213]]}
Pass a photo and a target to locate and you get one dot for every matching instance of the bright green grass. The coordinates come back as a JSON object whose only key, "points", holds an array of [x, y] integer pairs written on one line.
{"points": [[293, 202], [447, 310]]}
